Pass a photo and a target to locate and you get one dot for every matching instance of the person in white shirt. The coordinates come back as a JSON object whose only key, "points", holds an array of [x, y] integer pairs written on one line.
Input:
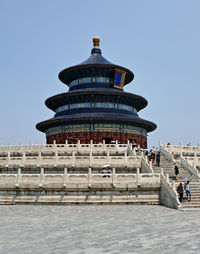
{"points": [[188, 192]]}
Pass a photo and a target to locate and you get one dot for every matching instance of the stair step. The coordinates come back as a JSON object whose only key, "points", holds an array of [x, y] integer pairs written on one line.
{"points": [[190, 206]]}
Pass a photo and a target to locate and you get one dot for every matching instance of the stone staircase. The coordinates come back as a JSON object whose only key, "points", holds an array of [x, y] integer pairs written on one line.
{"points": [[168, 168], [194, 204], [183, 176]]}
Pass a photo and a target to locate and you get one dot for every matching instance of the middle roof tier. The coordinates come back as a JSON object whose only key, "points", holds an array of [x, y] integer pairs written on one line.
{"points": [[94, 95]]}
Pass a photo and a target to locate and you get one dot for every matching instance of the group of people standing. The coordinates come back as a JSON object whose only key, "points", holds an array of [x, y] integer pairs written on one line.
{"points": [[180, 191], [153, 155]]}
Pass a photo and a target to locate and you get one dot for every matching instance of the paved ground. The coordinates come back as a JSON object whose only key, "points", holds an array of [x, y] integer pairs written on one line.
{"points": [[98, 229]]}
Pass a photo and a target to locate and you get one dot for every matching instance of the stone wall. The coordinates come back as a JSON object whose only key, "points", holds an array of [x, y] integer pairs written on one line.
{"points": [[82, 195]]}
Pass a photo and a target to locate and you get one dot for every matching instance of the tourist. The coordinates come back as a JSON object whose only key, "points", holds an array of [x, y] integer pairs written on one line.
{"points": [[134, 144], [106, 170], [103, 171], [176, 171], [149, 156], [153, 156], [180, 192], [158, 159], [188, 192]]}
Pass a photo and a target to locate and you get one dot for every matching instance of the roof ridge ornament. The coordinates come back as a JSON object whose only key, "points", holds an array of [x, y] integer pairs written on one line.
{"points": [[96, 48], [96, 41]]}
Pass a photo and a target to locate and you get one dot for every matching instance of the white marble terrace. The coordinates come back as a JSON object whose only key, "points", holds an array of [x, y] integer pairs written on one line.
{"points": [[69, 155], [78, 166]]}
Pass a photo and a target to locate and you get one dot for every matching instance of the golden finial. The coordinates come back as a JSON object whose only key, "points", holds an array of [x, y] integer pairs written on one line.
{"points": [[96, 41]]}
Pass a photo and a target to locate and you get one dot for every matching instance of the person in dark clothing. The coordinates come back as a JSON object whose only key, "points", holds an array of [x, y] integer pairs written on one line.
{"points": [[153, 156], [158, 159], [176, 171], [180, 192]]}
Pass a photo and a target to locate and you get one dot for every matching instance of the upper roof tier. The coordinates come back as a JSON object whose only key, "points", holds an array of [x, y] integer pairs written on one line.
{"points": [[95, 66]]}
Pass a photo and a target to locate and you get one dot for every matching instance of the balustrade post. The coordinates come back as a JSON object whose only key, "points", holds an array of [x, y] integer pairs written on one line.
{"points": [[138, 177], [91, 148], [125, 158], [113, 177], [167, 177], [42, 145], [66, 145], [41, 180], [54, 144], [23, 158], [91, 144], [104, 145], [20, 146], [117, 145], [73, 158], [195, 157], [56, 158], [89, 177], [79, 145], [90, 159], [65, 178], [150, 164], [181, 147], [8, 158], [190, 147], [198, 147], [19, 177], [9, 147], [161, 171], [39, 158], [108, 157], [134, 151]]}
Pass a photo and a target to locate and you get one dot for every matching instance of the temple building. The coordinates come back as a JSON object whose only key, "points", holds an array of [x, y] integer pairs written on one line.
{"points": [[96, 107]]}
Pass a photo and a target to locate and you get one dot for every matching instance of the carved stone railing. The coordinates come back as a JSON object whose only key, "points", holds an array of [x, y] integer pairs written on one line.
{"points": [[145, 165], [182, 149], [167, 154], [73, 160], [191, 168], [43, 180], [66, 147], [195, 161], [169, 195]]}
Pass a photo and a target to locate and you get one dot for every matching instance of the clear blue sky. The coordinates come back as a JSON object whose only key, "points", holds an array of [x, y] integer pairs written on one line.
{"points": [[158, 40]]}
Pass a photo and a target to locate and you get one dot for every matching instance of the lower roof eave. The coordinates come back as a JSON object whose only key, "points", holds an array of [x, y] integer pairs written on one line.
{"points": [[147, 125]]}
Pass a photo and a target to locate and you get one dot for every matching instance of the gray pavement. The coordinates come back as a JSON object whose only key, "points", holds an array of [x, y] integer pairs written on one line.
{"points": [[98, 229]]}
